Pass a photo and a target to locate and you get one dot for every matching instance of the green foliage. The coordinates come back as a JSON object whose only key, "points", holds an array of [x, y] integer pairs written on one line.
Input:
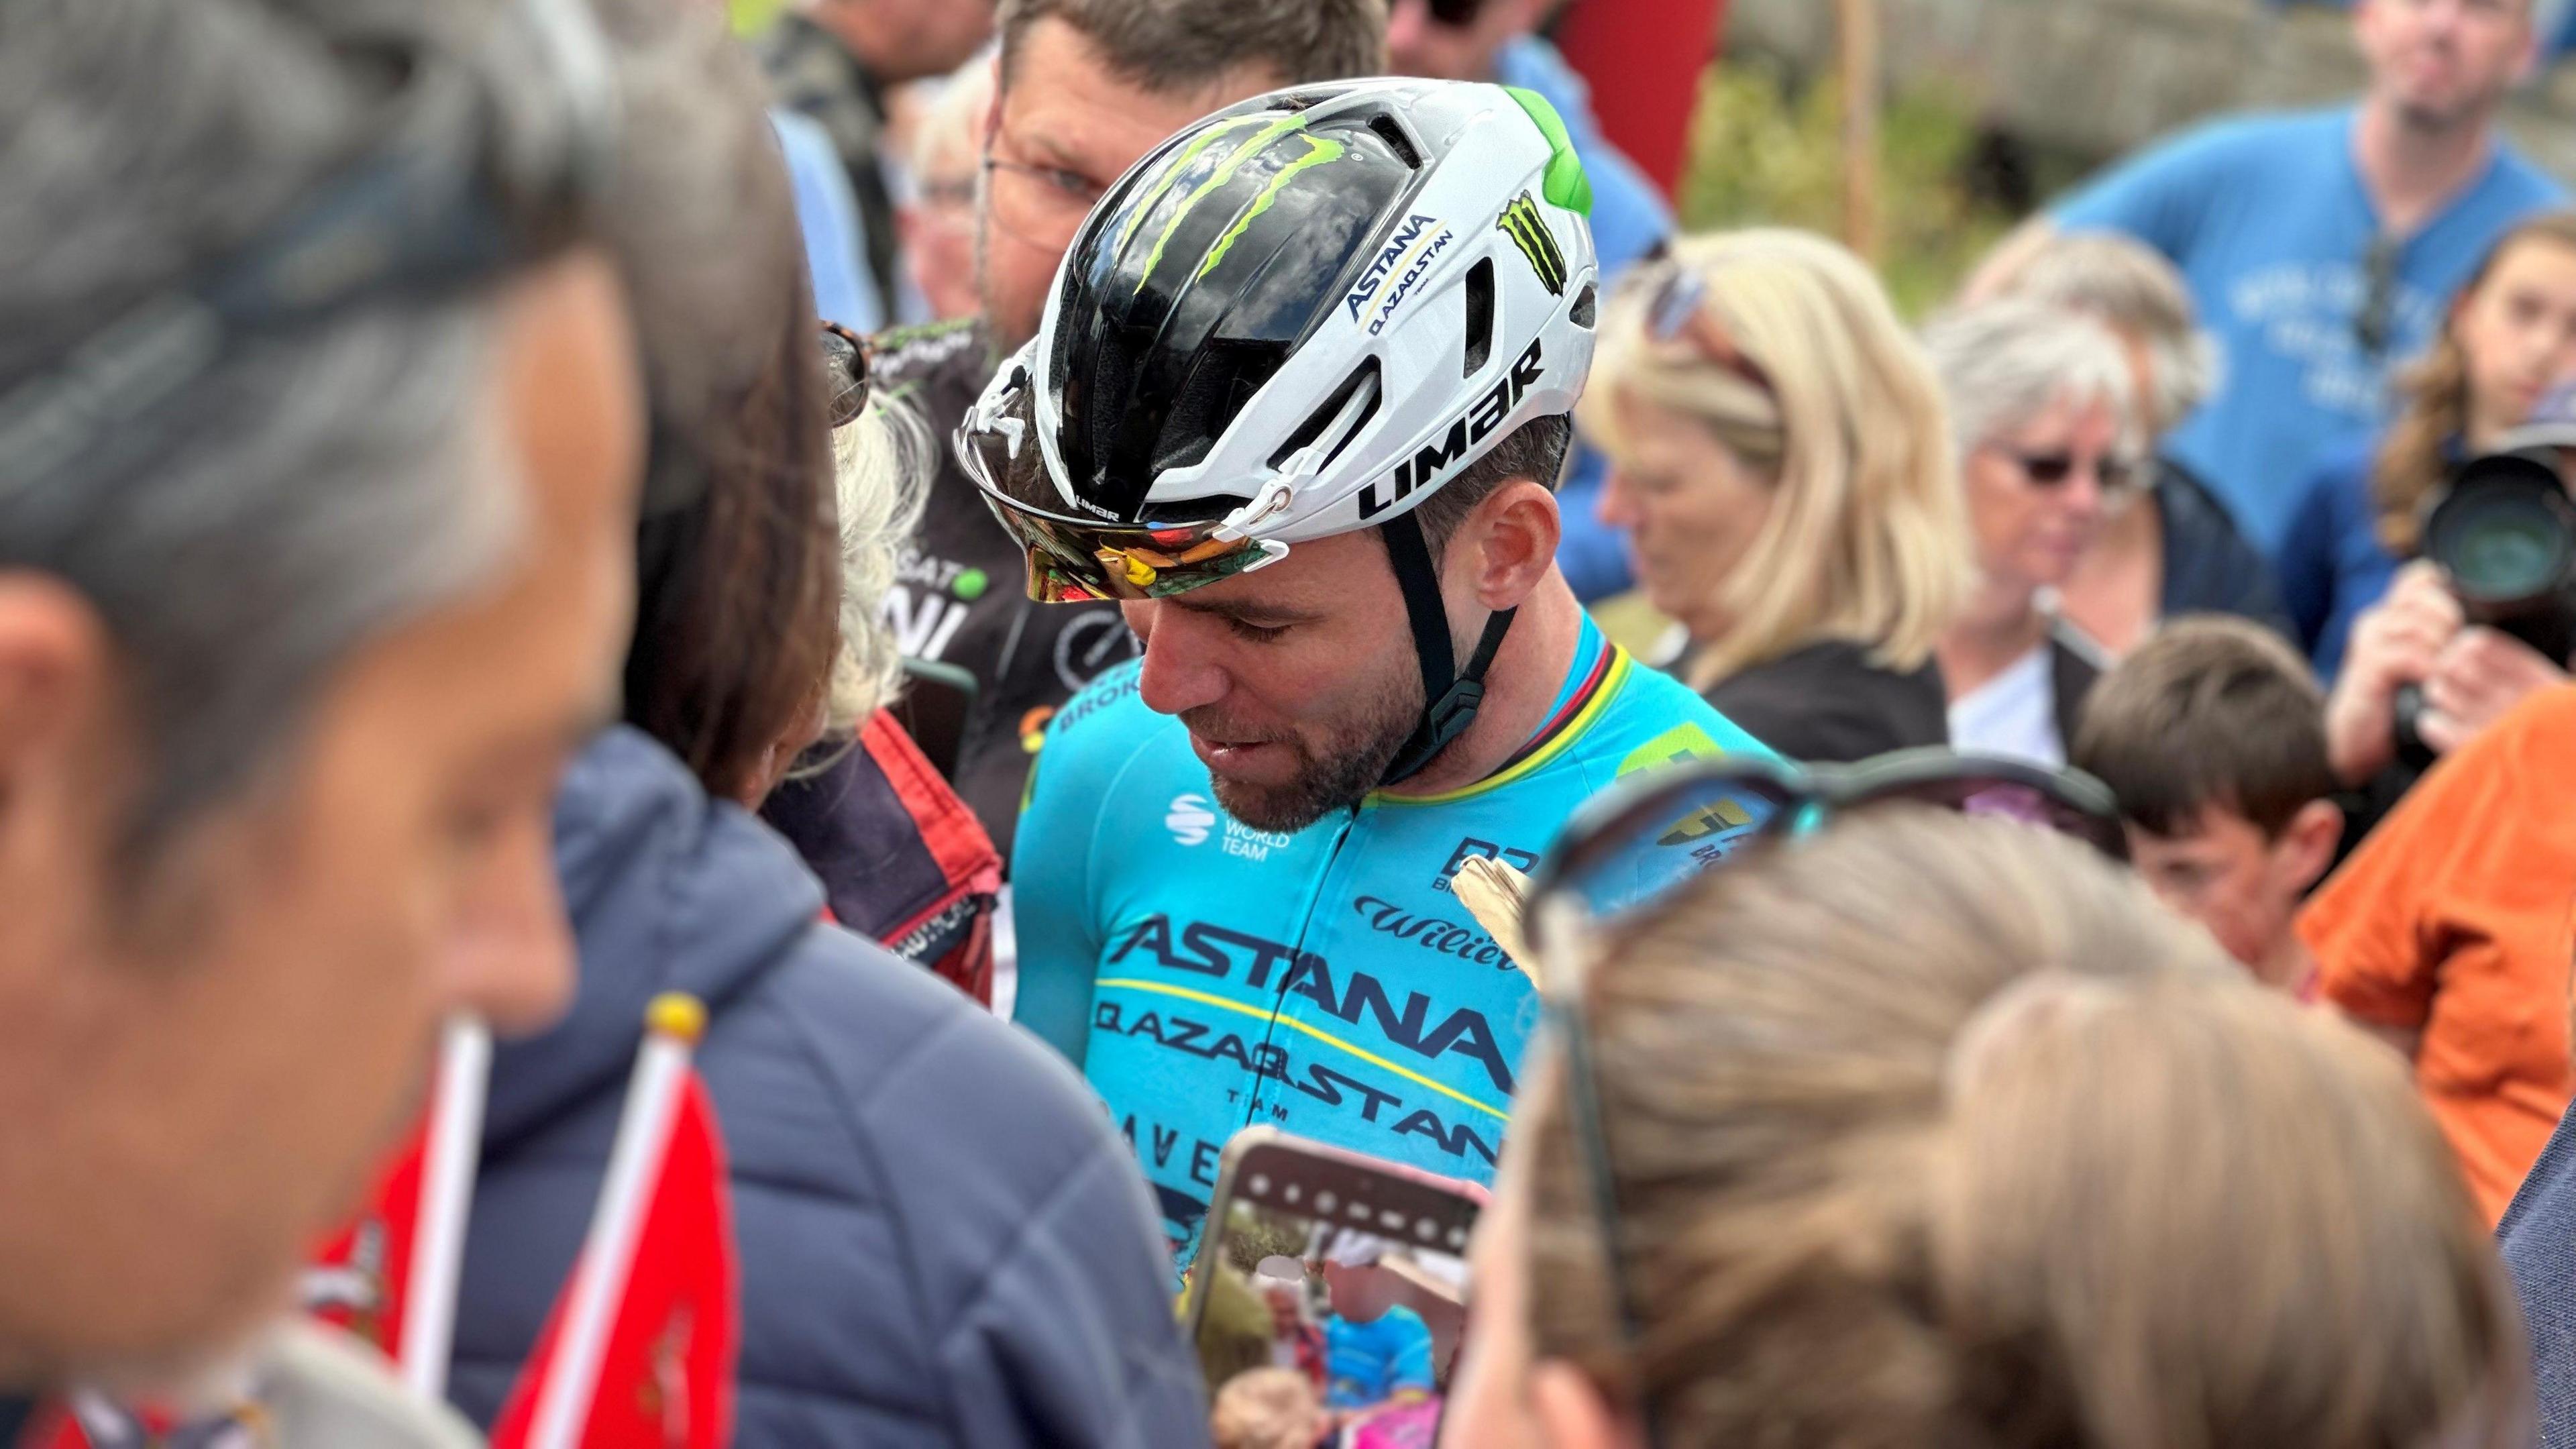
{"points": [[1764, 151]]}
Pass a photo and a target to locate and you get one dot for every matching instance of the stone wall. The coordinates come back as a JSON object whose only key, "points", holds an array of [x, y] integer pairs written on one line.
{"points": [[2097, 77]]}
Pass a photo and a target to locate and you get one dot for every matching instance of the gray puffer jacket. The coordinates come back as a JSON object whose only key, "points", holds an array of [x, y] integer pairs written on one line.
{"points": [[944, 1242]]}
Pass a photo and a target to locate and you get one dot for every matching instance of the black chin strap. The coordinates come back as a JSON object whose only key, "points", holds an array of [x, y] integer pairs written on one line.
{"points": [[1451, 702]]}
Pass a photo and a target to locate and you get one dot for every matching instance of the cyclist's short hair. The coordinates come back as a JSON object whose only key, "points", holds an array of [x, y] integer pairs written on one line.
{"points": [[1535, 450], [1175, 47]]}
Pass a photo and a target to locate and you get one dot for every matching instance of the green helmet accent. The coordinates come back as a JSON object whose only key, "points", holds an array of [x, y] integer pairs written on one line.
{"points": [[1564, 184]]}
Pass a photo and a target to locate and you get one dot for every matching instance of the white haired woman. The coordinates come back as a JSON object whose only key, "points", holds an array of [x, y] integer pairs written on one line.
{"points": [[2170, 547], [2041, 409]]}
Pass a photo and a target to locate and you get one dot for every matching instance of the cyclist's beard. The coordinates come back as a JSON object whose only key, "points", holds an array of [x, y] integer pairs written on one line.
{"points": [[1335, 776]]}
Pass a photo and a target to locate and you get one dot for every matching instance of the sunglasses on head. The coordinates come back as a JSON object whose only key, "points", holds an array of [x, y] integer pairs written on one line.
{"points": [[1640, 841], [2052, 470], [2374, 326], [1677, 315], [846, 373]]}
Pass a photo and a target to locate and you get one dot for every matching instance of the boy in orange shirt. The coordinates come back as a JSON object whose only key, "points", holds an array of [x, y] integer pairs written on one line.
{"points": [[2448, 932]]}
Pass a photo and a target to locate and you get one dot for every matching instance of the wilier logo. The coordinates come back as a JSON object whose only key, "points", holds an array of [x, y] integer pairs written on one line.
{"points": [[1528, 230]]}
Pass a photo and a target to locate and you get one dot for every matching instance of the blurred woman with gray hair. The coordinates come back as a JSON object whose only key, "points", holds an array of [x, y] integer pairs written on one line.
{"points": [[2170, 547], [2041, 406]]}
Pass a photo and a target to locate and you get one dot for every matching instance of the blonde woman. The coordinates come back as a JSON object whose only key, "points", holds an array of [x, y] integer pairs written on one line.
{"points": [[1995, 1152], [1780, 460]]}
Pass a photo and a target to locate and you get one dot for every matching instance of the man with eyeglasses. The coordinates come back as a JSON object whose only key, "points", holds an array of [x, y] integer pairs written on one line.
{"points": [[1498, 40], [1082, 89], [2322, 247]]}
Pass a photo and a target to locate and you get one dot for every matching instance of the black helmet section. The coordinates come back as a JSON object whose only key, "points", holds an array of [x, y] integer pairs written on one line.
{"points": [[1186, 294]]}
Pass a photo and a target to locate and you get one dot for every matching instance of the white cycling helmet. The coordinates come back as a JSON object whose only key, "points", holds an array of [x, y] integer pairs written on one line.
{"points": [[1300, 316]]}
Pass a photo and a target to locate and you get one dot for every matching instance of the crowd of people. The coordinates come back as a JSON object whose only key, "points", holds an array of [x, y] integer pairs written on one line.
{"points": [[1021, 552]]}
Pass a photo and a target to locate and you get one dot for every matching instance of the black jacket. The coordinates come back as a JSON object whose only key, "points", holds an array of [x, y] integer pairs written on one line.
{"points": [[1827, 702], [961, 594], [943, 1240], [2209, 568]]}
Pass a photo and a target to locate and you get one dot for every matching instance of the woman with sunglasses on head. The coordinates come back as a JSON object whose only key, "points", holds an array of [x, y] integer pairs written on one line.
{"points": [[1994, 1152], [940, 1236], [2169, 547], [1781, 463], [2041, 411]]}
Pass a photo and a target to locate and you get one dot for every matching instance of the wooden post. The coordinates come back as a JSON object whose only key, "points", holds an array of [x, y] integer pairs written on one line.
{"points": [[1856, 37]]}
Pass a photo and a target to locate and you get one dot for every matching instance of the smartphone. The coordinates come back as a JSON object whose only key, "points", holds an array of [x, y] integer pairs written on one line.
{"points": [[1338, 1270]]}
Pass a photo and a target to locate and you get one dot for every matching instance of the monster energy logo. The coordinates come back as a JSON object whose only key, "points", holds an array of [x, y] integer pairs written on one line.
{"points": [[1528, 230], [1263, 132]]}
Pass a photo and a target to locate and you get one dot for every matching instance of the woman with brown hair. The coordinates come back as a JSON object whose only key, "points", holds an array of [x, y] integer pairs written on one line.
{"points": [[1927, 1130], [2510, 335]]}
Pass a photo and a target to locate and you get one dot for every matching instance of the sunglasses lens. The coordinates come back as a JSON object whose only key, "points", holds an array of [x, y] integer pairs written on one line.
{"points": [[2049, 471], [1675, 301], [1649, 840], [1456, 12]]}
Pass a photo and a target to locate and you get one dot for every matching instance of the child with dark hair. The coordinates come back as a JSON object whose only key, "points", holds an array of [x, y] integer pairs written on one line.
{"points": [[2212, 736]]}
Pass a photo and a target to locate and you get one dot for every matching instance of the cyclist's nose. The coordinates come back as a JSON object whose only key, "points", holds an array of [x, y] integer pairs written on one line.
{"points": [[1181, 671]]}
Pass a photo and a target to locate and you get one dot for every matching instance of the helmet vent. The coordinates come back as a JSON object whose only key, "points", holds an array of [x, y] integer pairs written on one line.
{"points": [[1395, 139], [1581, 313], [1480, 316], [1363, 376]]}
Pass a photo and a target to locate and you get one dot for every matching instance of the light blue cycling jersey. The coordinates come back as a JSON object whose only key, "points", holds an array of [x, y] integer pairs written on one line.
{"points": [[1207, 975]]}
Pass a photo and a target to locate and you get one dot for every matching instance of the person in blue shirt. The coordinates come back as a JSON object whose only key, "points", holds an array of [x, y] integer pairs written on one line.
{"points": [[2322, 246], [1361, 668], [2509, 336], [1377, 1352], [845, 292], [1496, 40]]}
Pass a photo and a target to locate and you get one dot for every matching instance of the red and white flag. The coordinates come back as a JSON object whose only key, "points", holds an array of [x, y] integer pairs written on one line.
{"points": [[391, 1277], [639, 1351]]}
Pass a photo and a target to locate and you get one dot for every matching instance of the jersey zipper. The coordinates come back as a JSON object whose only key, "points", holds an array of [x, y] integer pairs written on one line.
{"points": [[1257, 1097]]}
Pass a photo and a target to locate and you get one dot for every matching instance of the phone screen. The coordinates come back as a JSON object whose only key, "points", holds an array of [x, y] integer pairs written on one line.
{"points": [[1330, 1296]]}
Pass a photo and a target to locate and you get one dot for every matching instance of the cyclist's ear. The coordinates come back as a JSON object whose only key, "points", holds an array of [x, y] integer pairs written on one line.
{"points": [[1506, 545]]}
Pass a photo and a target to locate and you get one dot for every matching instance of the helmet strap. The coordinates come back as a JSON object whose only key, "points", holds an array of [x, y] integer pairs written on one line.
{"points": [[1451, 700]]}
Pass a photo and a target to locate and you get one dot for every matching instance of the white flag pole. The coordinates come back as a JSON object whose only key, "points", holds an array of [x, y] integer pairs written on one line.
{"points": [[674, 1023], [453, 1152]]}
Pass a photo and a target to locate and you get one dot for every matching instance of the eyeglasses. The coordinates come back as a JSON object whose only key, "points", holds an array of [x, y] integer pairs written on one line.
{"points": [[1043, 205], [1640, 841], [2053, 470], [2374, 325], [846, 373]]}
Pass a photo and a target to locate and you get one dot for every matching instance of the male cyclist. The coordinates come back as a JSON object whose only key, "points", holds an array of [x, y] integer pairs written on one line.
{"points": [[1297, 401]]}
